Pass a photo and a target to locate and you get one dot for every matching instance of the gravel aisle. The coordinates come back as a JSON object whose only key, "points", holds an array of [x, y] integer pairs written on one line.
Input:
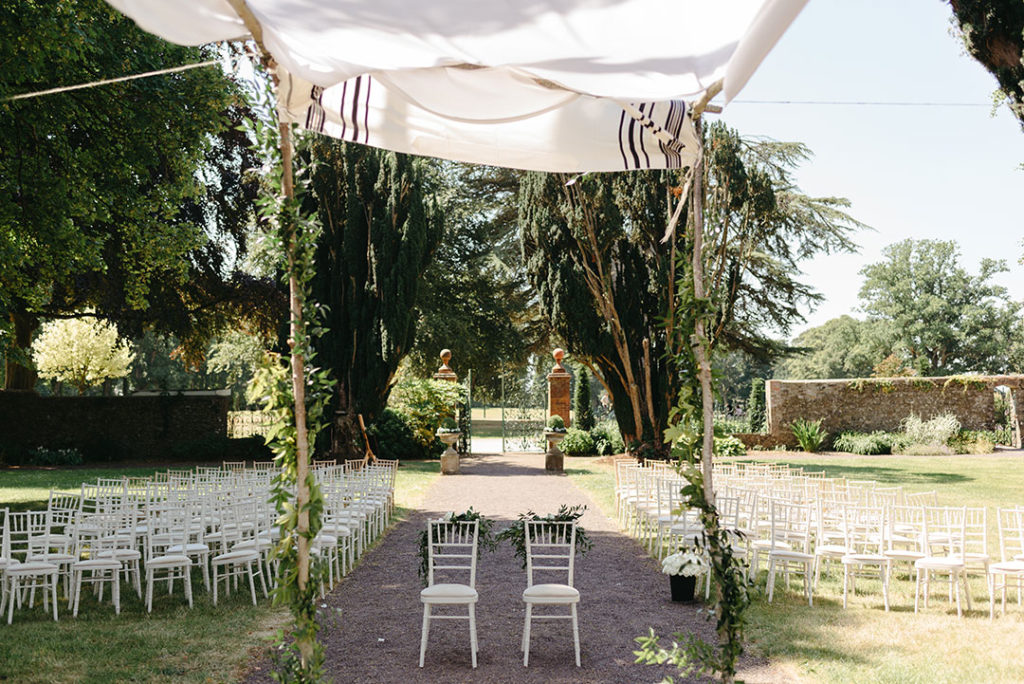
{"points": [[623, 594]]}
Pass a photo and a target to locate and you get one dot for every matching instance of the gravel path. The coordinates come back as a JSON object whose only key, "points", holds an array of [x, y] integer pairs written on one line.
{"points": [[623, 594]]}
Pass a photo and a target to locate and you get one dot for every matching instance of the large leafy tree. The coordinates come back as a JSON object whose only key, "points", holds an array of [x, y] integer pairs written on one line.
{"points": [[129, 199], [993, 33], [607, 279], [474, 297], [84, 352], [945, 319], [379, 233], [843, 347]]}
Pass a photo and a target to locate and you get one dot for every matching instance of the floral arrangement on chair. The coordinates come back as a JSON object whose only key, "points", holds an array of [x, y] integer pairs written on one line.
{"points": [[516, 534], [485, 537], [686, 563]]}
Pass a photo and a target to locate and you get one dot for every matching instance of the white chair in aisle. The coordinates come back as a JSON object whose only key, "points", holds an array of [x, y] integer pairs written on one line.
{"points": [[789, 549], [167, 526], [238, 524], [945, 535], [5, 558], [1009, 572], [905, 535], [452, 552], [830, 535], [865, 542], [99, 565], [550, 548], [24, 572]]}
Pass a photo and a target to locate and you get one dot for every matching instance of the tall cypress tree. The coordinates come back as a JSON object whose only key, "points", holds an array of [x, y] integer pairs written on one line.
{"points": [[581, 399], [379, 234]]}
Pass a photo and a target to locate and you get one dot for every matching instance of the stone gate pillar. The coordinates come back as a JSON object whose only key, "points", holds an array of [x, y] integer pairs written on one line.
{"points": [[445, 372], [559, 382]]}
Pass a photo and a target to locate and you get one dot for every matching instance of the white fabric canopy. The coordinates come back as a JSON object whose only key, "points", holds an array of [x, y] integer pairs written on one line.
{"points": [[553, 85]]}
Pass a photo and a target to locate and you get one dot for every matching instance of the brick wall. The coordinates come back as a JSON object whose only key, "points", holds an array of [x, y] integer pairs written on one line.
{"points": [[113, 428], [872, 404]]}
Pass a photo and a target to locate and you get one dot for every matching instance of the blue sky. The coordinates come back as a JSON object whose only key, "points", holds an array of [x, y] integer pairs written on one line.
{"points": [[950, 173]]}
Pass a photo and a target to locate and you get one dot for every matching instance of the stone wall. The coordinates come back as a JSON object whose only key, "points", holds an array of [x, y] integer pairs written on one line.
{"points": [[865, 405], [114, 428]]}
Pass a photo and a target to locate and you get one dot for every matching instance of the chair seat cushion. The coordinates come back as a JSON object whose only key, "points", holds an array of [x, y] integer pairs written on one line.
{"points": [[939, 563], [168, 561], [836, 550], [903, 554], [855, 558], [790, 555], [98, 564], [449, 593], [241, 556], [189, 548], [120, 554], [1007, 567], [551, 593], [32, 568]]}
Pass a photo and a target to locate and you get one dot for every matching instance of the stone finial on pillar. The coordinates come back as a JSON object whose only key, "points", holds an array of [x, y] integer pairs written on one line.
{"points": [[559, 382], [445, 372]]}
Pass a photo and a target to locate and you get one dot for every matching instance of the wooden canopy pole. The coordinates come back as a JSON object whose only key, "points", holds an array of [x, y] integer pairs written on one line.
{"points": [[298, 361], [700, 330]]}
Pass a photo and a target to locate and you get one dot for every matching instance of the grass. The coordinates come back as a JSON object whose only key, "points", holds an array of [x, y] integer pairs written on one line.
{"points": [[863, 643], [173, 644]]}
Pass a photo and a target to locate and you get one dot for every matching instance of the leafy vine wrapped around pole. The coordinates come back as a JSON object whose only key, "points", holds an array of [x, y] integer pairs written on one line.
{"points": [[297, 415]]}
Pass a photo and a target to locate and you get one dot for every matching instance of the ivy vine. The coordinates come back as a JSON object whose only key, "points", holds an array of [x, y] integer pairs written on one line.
{"points": [[291, 235]]}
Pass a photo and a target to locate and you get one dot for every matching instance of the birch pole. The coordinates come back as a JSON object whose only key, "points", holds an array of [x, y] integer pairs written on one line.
{"points": [[295, 298], [700, 338]]}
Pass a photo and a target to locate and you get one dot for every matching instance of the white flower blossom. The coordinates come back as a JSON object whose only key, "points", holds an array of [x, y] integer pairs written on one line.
{"points": [[687, 563]]}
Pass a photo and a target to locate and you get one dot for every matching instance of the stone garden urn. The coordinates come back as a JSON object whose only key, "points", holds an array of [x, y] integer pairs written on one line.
{"points": [[450, 457], [554, 459]]}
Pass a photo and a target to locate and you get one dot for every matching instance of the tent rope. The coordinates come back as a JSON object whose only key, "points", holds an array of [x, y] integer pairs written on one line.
{"points": [[107, 81]]}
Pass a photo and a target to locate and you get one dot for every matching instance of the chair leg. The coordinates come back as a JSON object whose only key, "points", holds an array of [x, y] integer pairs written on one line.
{"points": [[967, 591], [917, 589], [526, 635], [252, 585], [116, 591], [188, 585], [576, 634], [424, 632], [53, 591], [472, 632], [149, 590]]}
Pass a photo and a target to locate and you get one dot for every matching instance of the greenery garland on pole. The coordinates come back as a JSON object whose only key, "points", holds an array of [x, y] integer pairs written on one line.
{"points": [[691, 434], [297, 406]]}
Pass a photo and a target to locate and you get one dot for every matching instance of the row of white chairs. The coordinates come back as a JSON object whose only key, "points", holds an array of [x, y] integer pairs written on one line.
{"points": [[799, 522], [142, 531]]}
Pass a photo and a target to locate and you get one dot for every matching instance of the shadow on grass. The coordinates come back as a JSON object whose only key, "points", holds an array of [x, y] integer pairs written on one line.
{"points": [[895, 476]]}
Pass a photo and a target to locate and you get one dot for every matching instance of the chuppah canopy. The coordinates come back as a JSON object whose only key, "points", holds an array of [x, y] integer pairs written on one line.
{"points": [[548, 85]]}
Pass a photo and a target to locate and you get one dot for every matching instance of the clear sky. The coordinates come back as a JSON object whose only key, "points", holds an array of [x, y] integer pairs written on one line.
{"points": [[950, 173]]}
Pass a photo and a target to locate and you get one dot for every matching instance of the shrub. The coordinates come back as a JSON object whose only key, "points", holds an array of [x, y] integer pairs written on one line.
{"points": [[729, 446], [396, 439], [424, 405], [755, 405], [973, 442], [935, 432], [556, 423], [577, 443], [868, 443], [808, 434], [607, 439], [42, 456]]}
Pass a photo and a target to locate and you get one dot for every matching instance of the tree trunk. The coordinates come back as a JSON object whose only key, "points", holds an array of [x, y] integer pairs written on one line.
{"points": [[18, 377]]}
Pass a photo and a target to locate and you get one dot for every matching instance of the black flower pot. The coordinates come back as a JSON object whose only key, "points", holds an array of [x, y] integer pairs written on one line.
{"points": [[683, 588]]}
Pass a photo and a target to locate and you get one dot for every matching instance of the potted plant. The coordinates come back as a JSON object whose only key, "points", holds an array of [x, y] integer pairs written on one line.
{"points": [[554, 432], [449, 434], [683, 567]]}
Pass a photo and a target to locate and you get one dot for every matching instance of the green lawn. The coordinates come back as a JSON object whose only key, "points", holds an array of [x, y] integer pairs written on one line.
{"points": [[864, 643], [173, 644]]}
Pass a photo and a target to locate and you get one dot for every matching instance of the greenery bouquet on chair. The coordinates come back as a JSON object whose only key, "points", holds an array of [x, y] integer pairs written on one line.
{"points": [[516, 534], [683, 568], [485, 538]]}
